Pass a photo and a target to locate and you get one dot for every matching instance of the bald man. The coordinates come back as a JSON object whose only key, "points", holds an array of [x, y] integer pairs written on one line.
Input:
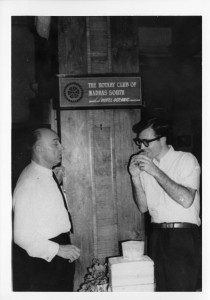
{"points": [[43, 256]]}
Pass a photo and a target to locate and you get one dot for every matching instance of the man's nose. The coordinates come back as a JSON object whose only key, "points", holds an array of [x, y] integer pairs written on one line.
{"points": [[143, 147]]}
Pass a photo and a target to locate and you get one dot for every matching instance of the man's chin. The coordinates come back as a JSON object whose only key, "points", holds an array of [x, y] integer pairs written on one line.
{"points": [[148, 154], [145, 153]]}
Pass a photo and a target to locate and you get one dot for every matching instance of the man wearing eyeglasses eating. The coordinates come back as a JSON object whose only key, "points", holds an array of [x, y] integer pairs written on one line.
{"points": [[166, 183]]}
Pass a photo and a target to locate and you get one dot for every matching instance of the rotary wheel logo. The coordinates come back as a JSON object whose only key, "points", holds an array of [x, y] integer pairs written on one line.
{"points": [[73, 92]]}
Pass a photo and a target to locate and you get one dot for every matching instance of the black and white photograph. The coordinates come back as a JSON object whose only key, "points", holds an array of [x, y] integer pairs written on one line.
{"points": [[106, 176]]}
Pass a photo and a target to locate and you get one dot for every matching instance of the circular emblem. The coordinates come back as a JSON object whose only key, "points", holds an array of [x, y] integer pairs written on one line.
{"points": [[73, 92]]}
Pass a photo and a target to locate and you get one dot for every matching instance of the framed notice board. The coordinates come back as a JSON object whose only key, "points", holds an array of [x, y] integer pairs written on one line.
{"points": [[99, 91]]}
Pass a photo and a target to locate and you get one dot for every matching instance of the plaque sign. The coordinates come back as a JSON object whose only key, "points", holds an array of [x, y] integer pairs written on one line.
{"points": [[99, 91]]}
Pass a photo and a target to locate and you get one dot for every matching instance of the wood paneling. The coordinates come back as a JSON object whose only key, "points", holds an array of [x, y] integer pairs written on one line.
{"points": [[98, 145], [75, 135], [105, 209], [98, 45], [130, 221], [72, 45]]}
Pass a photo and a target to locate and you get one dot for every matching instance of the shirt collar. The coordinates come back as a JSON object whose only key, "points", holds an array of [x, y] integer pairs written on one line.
{"points": [[166, 157], [41, 168]]}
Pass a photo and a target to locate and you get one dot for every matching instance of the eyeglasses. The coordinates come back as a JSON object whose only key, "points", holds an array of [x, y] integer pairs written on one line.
{"points": [[146, 143]]}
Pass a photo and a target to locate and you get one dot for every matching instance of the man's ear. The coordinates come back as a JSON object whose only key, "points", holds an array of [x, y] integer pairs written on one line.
{"points": [[163, 140], [38, 148]]}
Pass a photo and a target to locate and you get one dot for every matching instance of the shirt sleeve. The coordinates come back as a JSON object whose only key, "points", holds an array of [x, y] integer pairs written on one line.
{"points": [[26, 212], [189, 173]]}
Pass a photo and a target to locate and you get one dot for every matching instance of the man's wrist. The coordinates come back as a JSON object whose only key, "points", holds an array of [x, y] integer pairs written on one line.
{"points": [[135, 179], [157, 173], [135, 176]]}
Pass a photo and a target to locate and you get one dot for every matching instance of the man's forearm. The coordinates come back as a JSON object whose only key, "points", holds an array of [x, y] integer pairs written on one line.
{"points": [[139, 195], [179, 193]]}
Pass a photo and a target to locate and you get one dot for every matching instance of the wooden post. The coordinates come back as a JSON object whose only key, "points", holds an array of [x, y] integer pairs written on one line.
{"points": [[72, 49], [98, 144]]}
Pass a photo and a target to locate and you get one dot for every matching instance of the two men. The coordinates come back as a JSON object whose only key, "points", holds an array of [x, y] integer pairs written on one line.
{"points": [[166, 183], [43, 256]]}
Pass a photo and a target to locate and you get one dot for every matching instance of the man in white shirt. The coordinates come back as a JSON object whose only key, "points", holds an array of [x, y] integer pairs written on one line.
{"points": [[43, 256], [166, 183]]}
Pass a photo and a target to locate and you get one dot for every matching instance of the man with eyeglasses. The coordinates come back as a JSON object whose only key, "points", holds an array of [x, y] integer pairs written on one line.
{"points": [[166, 183]]}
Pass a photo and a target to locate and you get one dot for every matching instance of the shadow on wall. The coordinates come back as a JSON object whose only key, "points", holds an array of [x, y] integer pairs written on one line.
{"points": [[21, 156]]}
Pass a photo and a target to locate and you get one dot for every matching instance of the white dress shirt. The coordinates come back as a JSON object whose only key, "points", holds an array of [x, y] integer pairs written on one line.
{"points": [[183, 168], [39, 212]]}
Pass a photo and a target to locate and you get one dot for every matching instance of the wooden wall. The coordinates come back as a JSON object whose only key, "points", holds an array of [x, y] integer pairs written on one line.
{"points": [[98, 144], [97, 149]]}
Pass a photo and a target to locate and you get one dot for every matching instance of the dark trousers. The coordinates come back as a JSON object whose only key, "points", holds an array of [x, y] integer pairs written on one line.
{"points": [[36, 274], [177, 258]]}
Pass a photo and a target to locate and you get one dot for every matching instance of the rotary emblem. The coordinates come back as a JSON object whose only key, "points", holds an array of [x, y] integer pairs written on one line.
{"points": [[73, 92]]}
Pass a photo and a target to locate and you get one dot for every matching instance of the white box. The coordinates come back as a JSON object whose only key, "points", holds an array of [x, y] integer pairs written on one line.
{"points": [[124, 272], [134, 288], [133, 249]]}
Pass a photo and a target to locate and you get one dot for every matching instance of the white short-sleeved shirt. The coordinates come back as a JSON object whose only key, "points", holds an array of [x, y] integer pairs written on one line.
{"points": [[39, 212], [183, 168]]}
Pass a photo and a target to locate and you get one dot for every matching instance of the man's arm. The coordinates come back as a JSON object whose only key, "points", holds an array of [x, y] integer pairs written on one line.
{"points": [[139, 194], [179, 193]]}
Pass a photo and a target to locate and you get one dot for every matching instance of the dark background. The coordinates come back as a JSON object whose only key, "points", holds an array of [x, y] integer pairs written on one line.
{"points": [[170, 64]]}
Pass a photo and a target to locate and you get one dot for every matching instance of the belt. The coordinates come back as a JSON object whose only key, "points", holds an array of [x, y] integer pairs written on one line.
{"points": [[174, 225], [62, 239]]}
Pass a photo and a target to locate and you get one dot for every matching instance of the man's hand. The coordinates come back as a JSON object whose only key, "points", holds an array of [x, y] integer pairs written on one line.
{"points": [[69, 252], [135, 164], [146, 164], [139, 194]]}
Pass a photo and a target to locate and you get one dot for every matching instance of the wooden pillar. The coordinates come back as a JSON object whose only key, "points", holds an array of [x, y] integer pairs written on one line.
{"points": [[98, 144], [72, 57], [72, 49], [98, 45]]}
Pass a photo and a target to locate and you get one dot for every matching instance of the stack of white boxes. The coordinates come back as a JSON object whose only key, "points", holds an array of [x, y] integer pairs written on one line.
{"points": [[132, 272]]}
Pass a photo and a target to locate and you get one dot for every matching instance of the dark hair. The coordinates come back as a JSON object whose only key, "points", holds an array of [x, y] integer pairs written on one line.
{"points": [[160, 126]]}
